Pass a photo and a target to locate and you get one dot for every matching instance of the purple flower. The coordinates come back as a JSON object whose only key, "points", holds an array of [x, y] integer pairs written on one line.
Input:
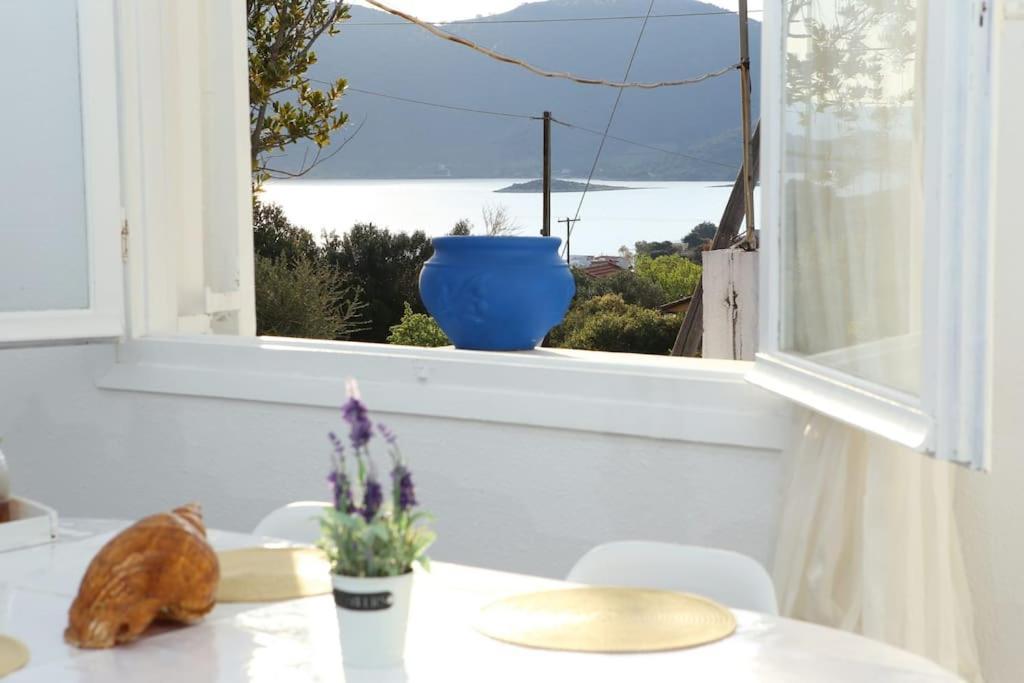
{"points": [[372, 499], [405, 492], [342, 491], [339, 448], [355, 414], [386, 433]]}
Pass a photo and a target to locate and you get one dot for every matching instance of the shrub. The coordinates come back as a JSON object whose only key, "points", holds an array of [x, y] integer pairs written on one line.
{"points": [[417, 329], [701, 233], [676, 275], [385, 266], [462, 228], [304, 298], [608, 323], [656, 249], [275, 237], [631, 287]]}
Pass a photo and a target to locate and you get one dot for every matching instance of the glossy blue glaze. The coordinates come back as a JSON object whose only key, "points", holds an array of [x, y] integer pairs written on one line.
{"points": [[496, 293]]}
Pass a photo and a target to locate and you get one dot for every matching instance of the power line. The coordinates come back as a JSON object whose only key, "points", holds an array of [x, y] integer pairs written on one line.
{"points": [[604, 137], [439, 105], [592, 131], [559, 20], [444, 35], [512, 115]]}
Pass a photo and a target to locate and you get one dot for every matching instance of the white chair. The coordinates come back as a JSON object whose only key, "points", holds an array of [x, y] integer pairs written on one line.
{"points": [[727, 577], [297, 522]]}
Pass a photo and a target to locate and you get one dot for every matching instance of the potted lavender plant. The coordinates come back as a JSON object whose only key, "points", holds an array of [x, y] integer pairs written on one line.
{"points": [[371, 543]]}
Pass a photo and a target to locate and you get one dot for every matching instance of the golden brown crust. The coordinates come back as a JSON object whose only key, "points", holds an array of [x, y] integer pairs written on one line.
{"points": [[161, 567]]}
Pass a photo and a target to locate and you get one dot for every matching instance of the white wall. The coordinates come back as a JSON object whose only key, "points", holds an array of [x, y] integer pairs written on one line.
{"points": [[519, 498], [992, 506]]}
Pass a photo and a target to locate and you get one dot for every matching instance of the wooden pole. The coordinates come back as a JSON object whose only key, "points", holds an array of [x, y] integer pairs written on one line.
{"points": [[750, 243], [690, 332], [546, 225]]}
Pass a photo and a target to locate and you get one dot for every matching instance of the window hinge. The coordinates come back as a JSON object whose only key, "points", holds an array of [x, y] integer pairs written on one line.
{"points": [[124, 240]]}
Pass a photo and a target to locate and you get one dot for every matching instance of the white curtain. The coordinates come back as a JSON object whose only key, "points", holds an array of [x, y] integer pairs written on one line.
{"points": [[869, 543]]}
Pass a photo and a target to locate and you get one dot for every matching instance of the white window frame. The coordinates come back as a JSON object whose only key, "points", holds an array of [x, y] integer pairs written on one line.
{"points": [[185, 159], [951, 418], [104, 317]]}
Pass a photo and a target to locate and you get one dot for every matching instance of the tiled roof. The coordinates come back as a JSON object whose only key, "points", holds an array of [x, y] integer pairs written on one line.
{"points": [[603, 269], [677, 306]]}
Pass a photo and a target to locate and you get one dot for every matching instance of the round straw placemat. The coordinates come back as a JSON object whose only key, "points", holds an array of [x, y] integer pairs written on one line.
{"points": [[272, 574], [607, 620], [13, 655]]}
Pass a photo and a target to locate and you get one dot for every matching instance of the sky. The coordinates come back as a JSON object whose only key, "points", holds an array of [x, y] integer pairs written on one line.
{"points": [[447, 10]]}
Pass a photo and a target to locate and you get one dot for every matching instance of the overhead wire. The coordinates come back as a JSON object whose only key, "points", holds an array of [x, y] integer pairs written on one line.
{"points": [[544, 72], [592, 131], [438, 105], [607, 128], [552, 20], [532, 117]]}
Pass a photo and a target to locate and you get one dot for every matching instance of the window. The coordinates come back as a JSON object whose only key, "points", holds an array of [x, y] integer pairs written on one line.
{"points": [[876, 217], [60, 265]]}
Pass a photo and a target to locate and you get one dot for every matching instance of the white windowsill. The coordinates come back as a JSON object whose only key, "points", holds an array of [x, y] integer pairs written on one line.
{"points": [[695, 400]]}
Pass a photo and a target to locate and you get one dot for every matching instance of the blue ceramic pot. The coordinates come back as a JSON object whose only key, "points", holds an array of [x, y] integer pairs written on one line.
{"points": [[496, 293]]}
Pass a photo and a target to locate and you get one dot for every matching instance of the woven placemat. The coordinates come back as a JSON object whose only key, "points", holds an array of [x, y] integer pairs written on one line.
{"points": [[607, 620], [272, 574], [13, 655]]}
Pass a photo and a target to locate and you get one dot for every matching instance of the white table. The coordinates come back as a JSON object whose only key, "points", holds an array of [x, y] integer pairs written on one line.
{"points": [[298, 640]]}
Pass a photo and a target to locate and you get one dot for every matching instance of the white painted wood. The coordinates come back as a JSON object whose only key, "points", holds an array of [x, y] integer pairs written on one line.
{"points": [[81, 296], [649, 396], [856, 402], [730, 278], [298, 639], [769, 242], [184, 112], [152, 271], [957, 289], [182, 78], [957, 279], [228, 208]]}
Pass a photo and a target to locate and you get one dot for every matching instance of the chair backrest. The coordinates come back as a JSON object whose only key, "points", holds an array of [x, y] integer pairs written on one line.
{"points": [[297, 522], [727, 577]]}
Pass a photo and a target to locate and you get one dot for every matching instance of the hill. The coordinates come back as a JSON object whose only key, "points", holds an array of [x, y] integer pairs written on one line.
{"points": [[383, 54], [557, 185]]}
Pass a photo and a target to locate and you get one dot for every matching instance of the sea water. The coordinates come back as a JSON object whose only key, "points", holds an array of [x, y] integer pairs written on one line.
{"points": [[649, 211]]}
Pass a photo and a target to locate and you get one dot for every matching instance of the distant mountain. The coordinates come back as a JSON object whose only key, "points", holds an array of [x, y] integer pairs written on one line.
{"points": [[406, 140]]}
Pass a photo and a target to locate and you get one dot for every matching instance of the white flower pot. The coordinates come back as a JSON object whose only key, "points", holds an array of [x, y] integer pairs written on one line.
{"points": [[372, 616]]}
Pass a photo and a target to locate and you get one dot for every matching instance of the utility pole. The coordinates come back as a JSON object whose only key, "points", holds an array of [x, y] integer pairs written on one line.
{"points": [[750, 241], [569, 222], [546, 226]]}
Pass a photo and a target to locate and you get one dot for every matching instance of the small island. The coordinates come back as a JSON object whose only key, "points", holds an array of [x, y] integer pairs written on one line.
{"points": [[537, 186]]}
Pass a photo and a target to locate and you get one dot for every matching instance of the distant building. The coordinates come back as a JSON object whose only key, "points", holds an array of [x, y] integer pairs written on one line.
{"points": [[606, 266], [600, 264]]}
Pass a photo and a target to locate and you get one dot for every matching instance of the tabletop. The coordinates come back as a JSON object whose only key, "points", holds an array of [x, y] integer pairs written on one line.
{"points": [[297, 640]]}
